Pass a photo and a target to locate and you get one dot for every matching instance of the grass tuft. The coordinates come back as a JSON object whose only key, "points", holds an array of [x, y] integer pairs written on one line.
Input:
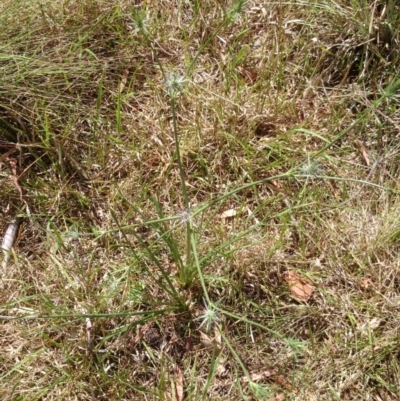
{"points": [[172, 162]]}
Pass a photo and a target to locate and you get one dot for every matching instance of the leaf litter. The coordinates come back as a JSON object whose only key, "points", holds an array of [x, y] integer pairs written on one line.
{"points": [[301, 288]]}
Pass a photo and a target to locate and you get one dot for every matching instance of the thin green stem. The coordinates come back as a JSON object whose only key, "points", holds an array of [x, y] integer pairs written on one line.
{"points": [[235, 354], [200, 273], [178, 154]]}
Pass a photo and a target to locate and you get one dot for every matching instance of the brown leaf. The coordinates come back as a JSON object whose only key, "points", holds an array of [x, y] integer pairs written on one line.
{"points": [[279, 397], [146, 327], [13, 166], [179, 384], [209, 342], [366, 282], [260, 375], [364, 152], [274, 187], [124, 78], [249, 75], [284, 383], [206, 340], [331, 346], [301, 287], [276, 183]]}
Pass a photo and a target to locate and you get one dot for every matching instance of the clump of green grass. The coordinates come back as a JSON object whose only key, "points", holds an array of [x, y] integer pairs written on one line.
{"points": [[138, 129]]}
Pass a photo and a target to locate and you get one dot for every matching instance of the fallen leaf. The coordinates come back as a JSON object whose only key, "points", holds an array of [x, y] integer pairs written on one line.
{"points": [[301, 287], [13, 166], [146, 327], [209, 342], [255, 377], [279, 397], [249, 75], [179, 384], [217, 336], [363, 151], [366, 282], [206, 340], [276, 183], [260, 375], [274, 187], [124, 78], [331, 346], [228, 214], [284, 383]]}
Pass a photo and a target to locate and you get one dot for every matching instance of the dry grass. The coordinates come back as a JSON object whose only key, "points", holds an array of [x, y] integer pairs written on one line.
{"points": [[288, 116]]}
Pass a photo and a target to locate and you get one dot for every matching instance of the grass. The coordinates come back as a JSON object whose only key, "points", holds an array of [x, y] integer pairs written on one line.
{"points": [[177, 160]]}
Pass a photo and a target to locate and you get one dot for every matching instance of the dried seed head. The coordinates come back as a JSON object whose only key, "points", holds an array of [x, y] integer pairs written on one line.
{"points": [[174, 83], [209, 317]]}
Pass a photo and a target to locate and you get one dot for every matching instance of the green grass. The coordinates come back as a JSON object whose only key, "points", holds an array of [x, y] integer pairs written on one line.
{"points": [[177, 159]]}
